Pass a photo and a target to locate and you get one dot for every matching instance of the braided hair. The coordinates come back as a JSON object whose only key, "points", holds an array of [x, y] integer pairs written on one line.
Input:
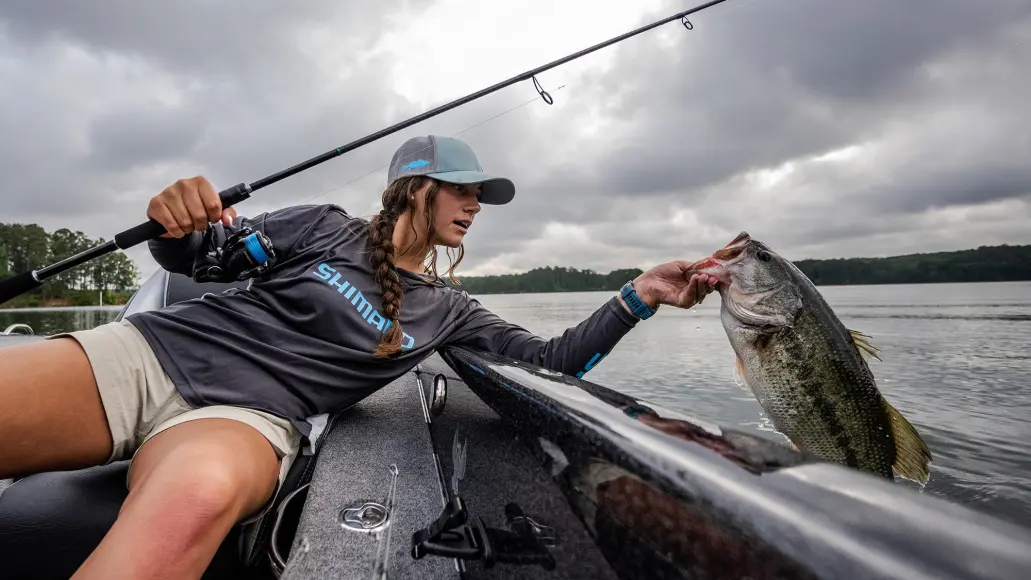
{"points": [[399, 198]]}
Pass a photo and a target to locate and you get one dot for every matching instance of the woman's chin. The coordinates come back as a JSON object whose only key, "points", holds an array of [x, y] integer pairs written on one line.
{"points": [[451, 240]]}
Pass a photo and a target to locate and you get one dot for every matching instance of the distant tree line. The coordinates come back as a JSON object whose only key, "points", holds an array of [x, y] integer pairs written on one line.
{"points": [[25, 247], [984, 264], [547, 279]]}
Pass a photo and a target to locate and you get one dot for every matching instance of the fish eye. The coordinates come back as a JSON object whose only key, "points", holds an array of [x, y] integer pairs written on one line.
{"points": [[763, 255]]}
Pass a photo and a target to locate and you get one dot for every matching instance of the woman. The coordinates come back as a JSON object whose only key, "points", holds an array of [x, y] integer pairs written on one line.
{"points": [[212, 398]]}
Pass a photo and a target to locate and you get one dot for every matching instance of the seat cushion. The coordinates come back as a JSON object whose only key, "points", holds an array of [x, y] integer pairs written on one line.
{"points": [[50, 522]]}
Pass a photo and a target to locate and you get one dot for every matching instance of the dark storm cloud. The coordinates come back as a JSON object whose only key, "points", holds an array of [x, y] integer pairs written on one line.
{"points": [[768, 82], [124, 138], [100, 95], [241, 40], [992, 181]]}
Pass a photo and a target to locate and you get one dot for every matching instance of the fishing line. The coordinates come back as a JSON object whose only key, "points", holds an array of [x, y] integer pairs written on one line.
{"points": [[152, 229], [382, 167], [543, 94]]}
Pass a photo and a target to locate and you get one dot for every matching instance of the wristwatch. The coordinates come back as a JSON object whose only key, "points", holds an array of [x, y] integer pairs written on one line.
{"points": [[637, 306]]}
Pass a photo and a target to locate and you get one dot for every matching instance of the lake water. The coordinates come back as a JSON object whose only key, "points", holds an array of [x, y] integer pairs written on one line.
{"points": [[956, 363]]}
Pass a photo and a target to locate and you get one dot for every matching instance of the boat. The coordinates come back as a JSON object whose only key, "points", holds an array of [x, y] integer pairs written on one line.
{"points": [[474, 465]]}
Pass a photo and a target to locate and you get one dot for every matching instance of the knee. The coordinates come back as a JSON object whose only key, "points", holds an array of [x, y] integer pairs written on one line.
{"points": [[197, 492], [207, 493]]}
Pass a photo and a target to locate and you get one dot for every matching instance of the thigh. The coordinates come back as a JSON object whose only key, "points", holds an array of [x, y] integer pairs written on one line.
{"points": [[51, 414], [188, 486]]}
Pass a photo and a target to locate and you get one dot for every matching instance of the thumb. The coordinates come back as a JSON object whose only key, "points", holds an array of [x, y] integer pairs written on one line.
{"points": [[686, 267], [228, 215]]}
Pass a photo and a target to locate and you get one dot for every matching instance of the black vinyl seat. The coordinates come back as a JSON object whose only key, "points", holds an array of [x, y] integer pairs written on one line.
{"points": [[51, 522]]}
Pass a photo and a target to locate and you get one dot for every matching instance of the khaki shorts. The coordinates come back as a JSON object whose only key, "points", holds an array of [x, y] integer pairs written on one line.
{"points": [[140, 400]]}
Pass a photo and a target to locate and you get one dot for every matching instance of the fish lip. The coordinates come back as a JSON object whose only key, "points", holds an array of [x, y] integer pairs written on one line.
{"points": [[734, 248], [741, 239]]}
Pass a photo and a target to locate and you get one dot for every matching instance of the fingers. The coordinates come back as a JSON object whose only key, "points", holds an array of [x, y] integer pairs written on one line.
{"points": [[228, 215], [208, 197], [698, 287], [197, 213], [186, 206], [159, 212]]}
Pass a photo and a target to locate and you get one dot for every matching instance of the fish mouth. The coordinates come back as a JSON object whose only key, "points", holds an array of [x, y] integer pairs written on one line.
{"points": [[716, 265]]}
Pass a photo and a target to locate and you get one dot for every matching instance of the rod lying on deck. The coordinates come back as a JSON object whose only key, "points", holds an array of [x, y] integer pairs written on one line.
{"points": [[22, 283]]}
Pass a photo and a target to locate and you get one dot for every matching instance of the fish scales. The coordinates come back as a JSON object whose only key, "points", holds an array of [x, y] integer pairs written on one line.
{"points": [[823, 400]]}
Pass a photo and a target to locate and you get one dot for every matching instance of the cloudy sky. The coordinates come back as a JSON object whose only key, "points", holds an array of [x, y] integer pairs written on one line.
{"points": [[825, 129]]}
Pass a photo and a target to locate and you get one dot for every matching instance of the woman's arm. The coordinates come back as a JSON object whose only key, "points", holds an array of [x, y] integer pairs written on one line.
{"points": [[283, 227], [575, 352], [187, 209], [583, 346]]}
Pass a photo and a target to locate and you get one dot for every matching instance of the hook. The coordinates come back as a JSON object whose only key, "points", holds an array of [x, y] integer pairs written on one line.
{"points": [[543, 93], [687, 23]]}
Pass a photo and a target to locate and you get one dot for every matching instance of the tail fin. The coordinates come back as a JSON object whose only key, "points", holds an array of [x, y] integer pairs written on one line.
{"points": [[911, 454]]}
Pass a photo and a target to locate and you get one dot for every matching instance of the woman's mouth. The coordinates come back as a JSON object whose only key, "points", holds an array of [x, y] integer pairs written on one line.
{"points": [[463, 224]]}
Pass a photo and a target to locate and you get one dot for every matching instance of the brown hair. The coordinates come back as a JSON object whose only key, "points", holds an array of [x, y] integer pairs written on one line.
{"points": [[397, 199]]}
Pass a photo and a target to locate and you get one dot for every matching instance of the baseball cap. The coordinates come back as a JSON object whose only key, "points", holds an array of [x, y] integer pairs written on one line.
{"points": [[449, 160]]}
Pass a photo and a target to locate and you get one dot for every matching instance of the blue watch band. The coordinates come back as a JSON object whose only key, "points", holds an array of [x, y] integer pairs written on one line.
{"points": [[637, 306]]}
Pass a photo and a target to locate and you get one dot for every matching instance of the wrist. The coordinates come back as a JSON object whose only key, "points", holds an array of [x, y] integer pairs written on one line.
{"points": [[633, 303], [645, 291]]}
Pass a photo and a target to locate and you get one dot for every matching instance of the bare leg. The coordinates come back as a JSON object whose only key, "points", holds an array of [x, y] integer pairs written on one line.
{"points": [[51, 416], [188, 486]]}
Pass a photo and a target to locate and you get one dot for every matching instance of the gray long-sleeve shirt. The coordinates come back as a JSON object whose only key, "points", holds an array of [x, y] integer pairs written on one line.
{"points": [[299, 345]]}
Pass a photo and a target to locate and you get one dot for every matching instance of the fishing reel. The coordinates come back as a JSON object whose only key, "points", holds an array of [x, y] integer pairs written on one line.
{"points": [[245, 254]]}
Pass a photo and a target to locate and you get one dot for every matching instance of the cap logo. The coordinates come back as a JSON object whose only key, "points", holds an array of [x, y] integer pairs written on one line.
{"points": [[415, 164]]}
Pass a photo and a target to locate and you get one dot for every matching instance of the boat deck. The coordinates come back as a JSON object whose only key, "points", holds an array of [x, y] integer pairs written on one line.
{"points": [[354, 464], [390, 428]]}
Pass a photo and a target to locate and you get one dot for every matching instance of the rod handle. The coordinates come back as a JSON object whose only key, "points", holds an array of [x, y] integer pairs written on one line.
{"points": [[151, 228]]}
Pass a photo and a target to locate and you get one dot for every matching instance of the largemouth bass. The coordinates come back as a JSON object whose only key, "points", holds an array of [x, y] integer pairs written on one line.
{"points": [[807, 370]]}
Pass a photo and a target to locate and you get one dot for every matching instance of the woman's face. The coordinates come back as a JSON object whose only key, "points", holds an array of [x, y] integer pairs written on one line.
{"points": [[455, 207]]}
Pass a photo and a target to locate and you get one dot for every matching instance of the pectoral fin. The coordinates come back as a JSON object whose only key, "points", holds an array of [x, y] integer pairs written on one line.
{"points": [[862, 342], [739, 374], [912, 456]]}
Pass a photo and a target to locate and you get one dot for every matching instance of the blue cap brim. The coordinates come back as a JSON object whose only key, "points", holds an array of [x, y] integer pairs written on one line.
{"points": [[493, 190]]}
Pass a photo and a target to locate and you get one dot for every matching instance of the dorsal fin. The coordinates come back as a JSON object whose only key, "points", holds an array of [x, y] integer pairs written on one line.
{"points": [[862, 342], [912, 456]]}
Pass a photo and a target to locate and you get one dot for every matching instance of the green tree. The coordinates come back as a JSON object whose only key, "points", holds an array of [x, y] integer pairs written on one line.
{"points": [[5, 269], [65, 243], [27, 247], [114, 271]]}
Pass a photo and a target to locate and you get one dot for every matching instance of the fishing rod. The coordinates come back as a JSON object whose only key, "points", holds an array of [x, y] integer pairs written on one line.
{"points": [[151, 229]]}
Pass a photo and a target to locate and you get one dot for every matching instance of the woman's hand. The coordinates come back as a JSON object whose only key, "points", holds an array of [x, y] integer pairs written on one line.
{"points": [[187, 206], [675, 284]]}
